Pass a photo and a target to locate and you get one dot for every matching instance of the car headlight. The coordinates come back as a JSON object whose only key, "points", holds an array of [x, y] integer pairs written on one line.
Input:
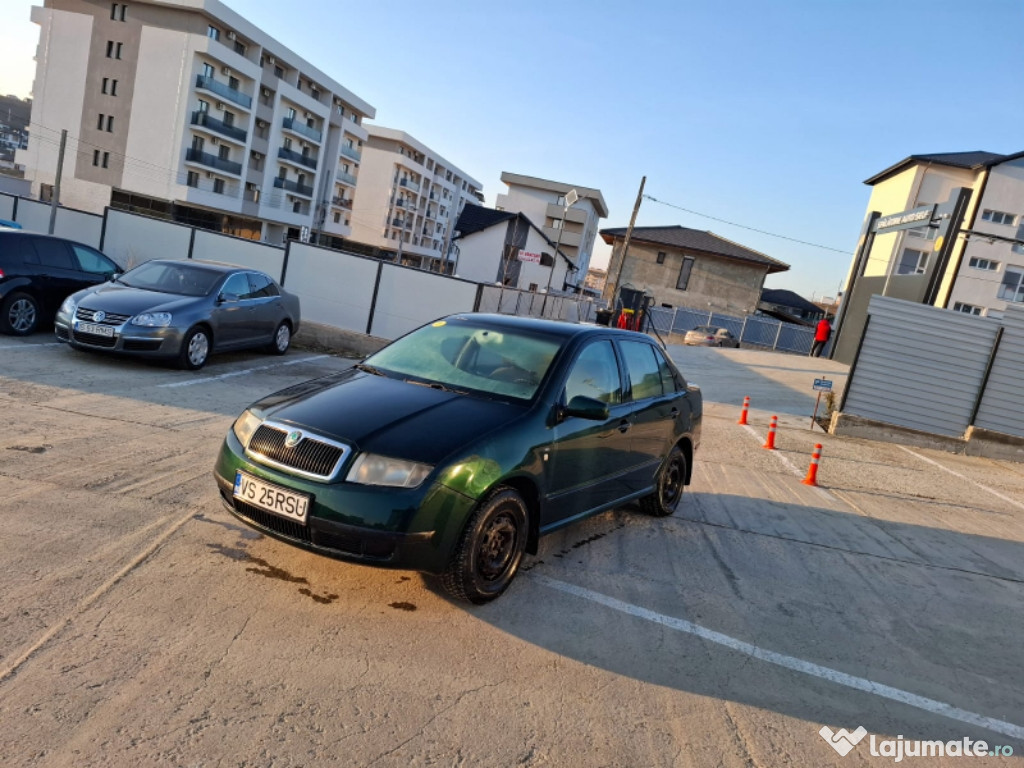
{"points": [[371, 469], [245, 425], [153, 319], [68, 307]]}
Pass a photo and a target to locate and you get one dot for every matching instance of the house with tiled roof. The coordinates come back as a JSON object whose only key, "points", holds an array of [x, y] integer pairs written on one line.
{"points": [[684, 267]]}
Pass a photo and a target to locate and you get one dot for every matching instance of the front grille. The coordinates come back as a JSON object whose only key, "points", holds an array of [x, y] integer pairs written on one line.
{"points": [[89, 316], [311, 456], [94, 339], [142, 345], [279, 525]]}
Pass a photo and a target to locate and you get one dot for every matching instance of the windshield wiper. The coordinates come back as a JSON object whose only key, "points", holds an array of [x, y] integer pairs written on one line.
{"points": [[436, 385], [369, 369]]}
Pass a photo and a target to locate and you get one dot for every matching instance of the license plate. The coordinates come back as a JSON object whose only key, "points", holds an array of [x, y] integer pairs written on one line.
{"points": [[98, 330], [273, 498]]}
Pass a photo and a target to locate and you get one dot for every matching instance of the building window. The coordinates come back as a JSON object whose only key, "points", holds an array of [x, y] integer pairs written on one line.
{"points": [[912, 262], [233, 83], [118, 11], [928, 233], [988, 264], [117, 50], [556, 223], [684, 273], [290, 113], [106, 82], [661, 257], [95, 157], [110, 49], [1012, 287], [239, 48], [204, 106], [999, 217], [113, 87], [213, 33], [110, 123], [337, 217], [218, 186], [106, 159], [208, 71], [967, 309], [192, 179], [100, 121], [224, 153], [278, 72]]}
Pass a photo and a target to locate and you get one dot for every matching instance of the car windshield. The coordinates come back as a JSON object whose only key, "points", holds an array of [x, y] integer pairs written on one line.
{"points": [[182, 279], [463, 355], [704, 329]]}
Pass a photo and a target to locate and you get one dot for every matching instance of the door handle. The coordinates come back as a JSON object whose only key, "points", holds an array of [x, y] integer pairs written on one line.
{"points": [[674, 413], [624, 426]]}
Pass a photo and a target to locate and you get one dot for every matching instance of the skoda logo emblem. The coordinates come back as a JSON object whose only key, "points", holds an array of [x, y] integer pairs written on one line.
{"points": [[100, 316], [293, 439]]}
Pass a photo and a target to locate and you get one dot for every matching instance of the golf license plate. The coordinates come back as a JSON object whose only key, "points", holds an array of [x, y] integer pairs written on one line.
{"points": [[273, 498], [98, 330]]}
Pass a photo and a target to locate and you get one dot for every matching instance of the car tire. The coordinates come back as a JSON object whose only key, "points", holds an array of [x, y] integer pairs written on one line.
{"points": [[488, 555], [19, 314], [195, 349], [282, 340], [671, 481]]}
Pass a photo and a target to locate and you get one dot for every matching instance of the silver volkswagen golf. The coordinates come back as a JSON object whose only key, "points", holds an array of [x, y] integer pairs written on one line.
{"points": [[181, 311]]}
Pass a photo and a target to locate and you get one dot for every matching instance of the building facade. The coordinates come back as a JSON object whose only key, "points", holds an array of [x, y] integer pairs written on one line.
{"points": [[985, 269], [684, 267], [183, 109], [409, 198], [574, 229]]}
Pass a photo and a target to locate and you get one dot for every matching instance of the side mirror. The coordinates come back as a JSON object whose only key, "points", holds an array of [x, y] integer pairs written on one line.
{"points": [[111, 276], [227, 298], [584, 407]]}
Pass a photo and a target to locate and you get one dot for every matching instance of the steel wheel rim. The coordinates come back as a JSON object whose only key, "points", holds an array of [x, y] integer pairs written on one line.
{"points": [[497, 548], [22, 315], [672, 483], [283, 337], [198, 349]]}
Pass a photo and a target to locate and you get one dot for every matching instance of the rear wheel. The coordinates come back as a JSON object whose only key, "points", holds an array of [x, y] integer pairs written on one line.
{"points": [[669, 490], [19, 314], [490, 550], [195, 349], [282, 339]]}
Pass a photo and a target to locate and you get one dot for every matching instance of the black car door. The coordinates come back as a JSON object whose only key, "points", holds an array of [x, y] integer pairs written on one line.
{"points": [[589, 459], [56, 272], [93, 266]]}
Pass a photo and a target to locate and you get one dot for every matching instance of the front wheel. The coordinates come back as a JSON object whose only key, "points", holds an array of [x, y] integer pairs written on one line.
{"points": [[19, 314], [669, 490], [490, 550], [195, 349]]}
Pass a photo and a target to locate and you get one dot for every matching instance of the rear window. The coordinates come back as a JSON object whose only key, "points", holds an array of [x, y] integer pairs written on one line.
{"points": [[16, 249], [705, 329], [54, 253]]}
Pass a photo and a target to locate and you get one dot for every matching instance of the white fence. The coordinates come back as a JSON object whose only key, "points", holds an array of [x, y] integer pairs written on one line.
{"points": [[751, 330]]}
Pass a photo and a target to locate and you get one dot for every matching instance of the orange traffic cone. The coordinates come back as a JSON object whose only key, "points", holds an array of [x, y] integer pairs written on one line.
{"points": [[812, 471], [770, 442], [746, 407]]}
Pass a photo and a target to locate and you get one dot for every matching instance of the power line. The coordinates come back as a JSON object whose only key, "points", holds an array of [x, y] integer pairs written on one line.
{"points": [[844, 251]]}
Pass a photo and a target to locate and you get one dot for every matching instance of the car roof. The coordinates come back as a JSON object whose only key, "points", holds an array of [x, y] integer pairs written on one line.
{"points": [[558, 328], [214, 266]]}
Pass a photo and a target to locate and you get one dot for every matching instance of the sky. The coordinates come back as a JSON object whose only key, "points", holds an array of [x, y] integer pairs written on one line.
{"points": [[760, 114]]}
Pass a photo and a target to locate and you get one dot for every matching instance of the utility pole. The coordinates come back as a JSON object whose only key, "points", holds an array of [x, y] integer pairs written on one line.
{"points": [[570, 200], [55, 196], [629, 233]]}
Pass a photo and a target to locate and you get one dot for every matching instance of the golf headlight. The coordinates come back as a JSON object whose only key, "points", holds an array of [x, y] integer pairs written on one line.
{"points": [[153, 319], [244, 426], [68, 307], [370, 469]]}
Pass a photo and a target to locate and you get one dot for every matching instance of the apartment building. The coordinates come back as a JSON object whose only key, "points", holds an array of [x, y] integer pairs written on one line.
{"points": [[981, 274], [574, 229], [409, 199], [183, 109]]}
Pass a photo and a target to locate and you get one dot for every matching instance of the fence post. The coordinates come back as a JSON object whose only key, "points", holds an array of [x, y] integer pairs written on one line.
{"points": [[373, 301], [479, 296], [775, 344], [711, 316], [743, 328]]}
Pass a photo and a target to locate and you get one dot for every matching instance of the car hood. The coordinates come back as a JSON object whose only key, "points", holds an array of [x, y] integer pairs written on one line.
{"points": [[123, 300], [388, 416]]}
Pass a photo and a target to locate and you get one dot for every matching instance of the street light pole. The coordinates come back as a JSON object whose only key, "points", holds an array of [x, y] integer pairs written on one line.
{"points": [[570, 200]]}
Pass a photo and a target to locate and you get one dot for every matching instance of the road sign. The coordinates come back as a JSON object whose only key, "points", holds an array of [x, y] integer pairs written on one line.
{"points": [[529, 257], [822, 385]]}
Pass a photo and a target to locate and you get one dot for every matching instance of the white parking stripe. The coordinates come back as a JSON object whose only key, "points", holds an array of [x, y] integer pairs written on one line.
{"points": [[30, 346], [207, 379], [792, 467], [789, 662], [963, 477]]}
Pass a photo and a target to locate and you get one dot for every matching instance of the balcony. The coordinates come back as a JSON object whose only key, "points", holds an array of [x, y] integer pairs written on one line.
{"points": [[351, 152], [398, 222], [292, 124], [225, 92], [292, 186], [341, 202], [297, 158], [212, 161], [346, 178], [409, 185], [204, 120]]}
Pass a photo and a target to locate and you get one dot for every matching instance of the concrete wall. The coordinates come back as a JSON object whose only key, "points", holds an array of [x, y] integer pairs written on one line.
{"points": [[11, 185], [335, 289], [408, 298], [480, 254], [212, 246], [131, 240]]}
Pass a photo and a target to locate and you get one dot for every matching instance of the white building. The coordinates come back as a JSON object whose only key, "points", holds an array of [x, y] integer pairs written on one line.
{"points": [[409, 198], [184, 109], [543, 202]]}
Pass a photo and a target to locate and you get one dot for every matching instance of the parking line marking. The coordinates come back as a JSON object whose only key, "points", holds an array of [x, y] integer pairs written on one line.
{"points": [[792, 467], [962, 477], [191, 382], [30, 346], [789, 662]]}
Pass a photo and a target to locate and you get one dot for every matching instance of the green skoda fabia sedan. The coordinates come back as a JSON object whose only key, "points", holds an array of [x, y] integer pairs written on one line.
{"points": [[453, 449]]}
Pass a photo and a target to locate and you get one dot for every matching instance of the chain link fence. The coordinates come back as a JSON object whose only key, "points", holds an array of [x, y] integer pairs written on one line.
{"points": [[512, 301], [752, 331]]}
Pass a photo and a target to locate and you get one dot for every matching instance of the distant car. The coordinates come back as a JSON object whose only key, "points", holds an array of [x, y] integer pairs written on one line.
{"points": [[181, 311], [710, 336], [455, 448], [37, 272]]}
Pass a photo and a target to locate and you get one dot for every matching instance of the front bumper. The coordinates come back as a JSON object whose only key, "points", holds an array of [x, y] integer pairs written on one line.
{"points": [[416, 529], [126, 338]]}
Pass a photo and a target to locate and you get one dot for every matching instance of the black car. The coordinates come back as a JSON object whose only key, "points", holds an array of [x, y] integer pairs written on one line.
{"points": [[452, 450], [37, 272]]}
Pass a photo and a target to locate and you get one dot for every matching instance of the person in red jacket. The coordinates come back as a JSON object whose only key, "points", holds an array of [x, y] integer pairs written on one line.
{"points": [[821, 336]]}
